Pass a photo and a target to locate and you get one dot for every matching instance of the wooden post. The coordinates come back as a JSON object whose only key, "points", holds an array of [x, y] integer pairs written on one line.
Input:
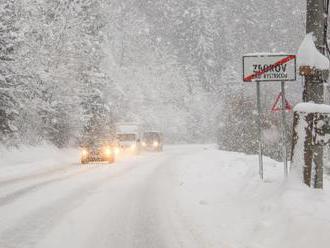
{"points": [[314, 91]]}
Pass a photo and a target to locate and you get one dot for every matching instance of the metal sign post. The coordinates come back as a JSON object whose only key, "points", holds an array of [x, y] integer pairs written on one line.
{"points": [[284, 140], [269, 68], [261, 166]]}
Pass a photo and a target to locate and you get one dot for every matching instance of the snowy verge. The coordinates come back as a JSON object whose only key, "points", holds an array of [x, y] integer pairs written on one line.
{"points": [[222, 198], [29, 160]]}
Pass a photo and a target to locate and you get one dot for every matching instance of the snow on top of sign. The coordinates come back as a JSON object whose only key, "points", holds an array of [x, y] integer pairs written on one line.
{"points": [[308, 55], [311, 107], [263, 54]]}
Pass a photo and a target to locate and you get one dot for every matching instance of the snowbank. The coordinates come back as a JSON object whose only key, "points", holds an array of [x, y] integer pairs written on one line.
{"points": [[30, 160], [310, 107], [308, 55], [224, 202]]}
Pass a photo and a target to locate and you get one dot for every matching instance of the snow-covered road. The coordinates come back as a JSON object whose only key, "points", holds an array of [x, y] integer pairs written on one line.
{"points": [[128, 204], [187, 196]]}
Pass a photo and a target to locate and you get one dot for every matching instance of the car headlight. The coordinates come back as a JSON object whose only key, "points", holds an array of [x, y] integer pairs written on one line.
{"points": [[84, 152], [107, 151], [155, 144], [144, 144]]}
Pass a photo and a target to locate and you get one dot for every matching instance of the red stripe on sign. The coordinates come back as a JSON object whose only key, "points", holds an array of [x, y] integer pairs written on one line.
{"points": [[258, 73]]}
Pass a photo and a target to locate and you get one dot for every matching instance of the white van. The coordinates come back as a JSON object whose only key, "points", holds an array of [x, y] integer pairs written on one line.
{"points": [[128, 137]]}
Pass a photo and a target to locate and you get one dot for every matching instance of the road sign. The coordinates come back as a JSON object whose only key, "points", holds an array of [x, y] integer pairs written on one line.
{"points": [[269, 67], [277, 108]]}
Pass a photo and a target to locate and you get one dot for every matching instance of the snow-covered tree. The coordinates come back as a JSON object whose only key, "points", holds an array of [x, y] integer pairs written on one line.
{"points": [[9, 78], [172, 65]]}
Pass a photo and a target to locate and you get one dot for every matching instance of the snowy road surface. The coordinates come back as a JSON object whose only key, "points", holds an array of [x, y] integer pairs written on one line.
{"points": [[187, 196]]}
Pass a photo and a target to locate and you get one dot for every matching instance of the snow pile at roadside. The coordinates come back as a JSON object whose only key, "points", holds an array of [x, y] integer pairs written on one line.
{"points": [[224, 202], [310, 107], [30, 160], [308, 55]]}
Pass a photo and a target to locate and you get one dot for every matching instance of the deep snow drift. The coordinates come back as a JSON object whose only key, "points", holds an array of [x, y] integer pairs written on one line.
{"points": [[187, 196]]}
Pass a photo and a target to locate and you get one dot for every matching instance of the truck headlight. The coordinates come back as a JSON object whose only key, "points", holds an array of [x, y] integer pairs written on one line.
{"points": [[133, 146], [144, 144], [155, 144], [107, 151]]}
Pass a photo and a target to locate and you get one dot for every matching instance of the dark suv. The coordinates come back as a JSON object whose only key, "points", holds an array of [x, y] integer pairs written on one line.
{"points": [[152, 141]]}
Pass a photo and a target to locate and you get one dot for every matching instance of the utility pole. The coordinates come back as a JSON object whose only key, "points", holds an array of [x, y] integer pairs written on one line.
{"points": [[314, 91]]}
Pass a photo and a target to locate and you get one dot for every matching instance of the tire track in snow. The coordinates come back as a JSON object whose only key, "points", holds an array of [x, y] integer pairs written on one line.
{"points": [[154, 226], [9, 198], [33, 176], [150, 206], [35, 226], [136, 212]]}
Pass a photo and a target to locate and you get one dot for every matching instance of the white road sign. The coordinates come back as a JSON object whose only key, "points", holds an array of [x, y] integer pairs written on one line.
{"points": [[269, 67]]}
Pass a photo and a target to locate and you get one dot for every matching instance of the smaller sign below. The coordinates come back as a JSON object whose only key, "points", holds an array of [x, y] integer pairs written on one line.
{"points": [[277, 106]]}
